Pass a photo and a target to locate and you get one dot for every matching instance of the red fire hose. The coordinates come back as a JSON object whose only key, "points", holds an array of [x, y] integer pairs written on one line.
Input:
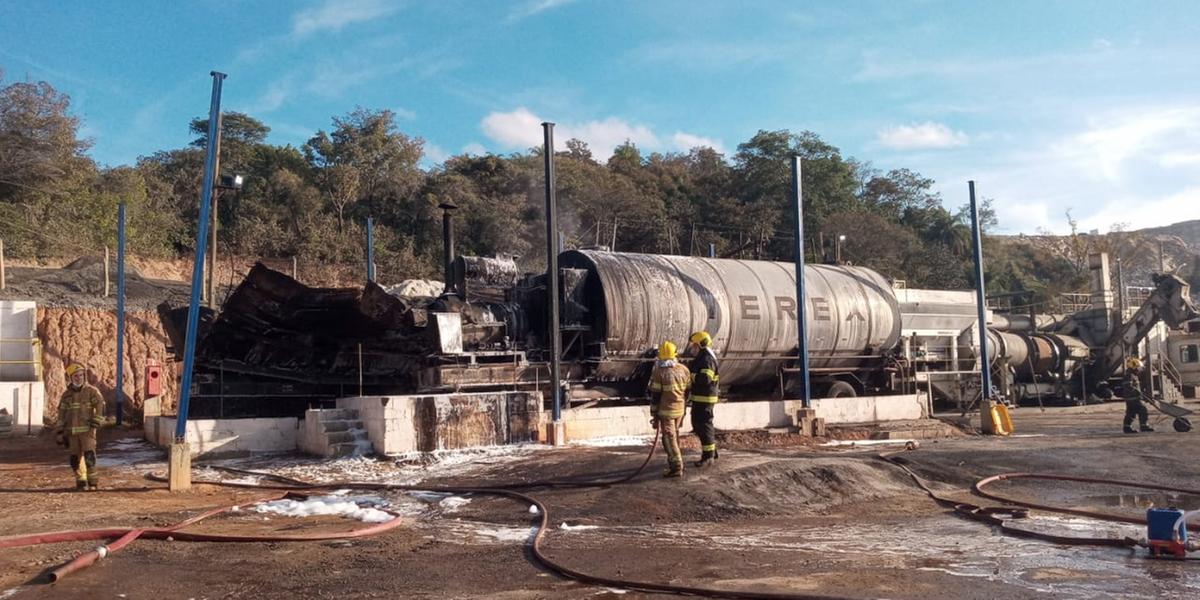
{"points": [[983, 514], [125, 536]]}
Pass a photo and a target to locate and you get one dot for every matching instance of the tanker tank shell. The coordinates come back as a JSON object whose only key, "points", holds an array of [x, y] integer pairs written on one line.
{"points": [[637, 301]]}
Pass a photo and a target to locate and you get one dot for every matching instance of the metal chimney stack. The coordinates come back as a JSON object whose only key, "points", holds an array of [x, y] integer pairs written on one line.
{"points": [[448, 208]]}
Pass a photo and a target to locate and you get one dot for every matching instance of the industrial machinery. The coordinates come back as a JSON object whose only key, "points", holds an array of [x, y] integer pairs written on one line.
{"points": [[1070, 358], [279, 341]]}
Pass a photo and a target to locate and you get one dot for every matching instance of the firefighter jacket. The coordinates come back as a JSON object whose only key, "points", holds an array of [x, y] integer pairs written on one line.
{"points": [[668, 389], [705, 379], [80, 410]]}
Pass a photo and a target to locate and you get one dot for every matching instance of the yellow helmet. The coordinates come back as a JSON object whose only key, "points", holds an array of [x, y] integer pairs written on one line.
{"points": [[1133, 363], [666, 351], [74, 368], [701, 338]]}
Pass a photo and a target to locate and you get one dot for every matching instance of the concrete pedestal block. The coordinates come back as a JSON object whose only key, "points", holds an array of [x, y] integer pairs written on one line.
{"points": [[985, 417], [556, 433], [179, 468], [818, 427], [805, 418]]}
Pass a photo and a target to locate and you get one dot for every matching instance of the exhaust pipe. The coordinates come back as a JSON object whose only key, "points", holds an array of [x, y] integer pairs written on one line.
{"points": [[448, 243]]}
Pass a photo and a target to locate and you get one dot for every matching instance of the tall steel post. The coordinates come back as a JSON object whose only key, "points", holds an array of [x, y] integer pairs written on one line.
{"points": [[552, 270], [120, 314], [370, 249], [712, 250], [801, 303], [985, 369], [212, 250], [193, 319]]}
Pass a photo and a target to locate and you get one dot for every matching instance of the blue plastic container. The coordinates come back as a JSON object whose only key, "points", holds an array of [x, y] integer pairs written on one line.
{"points": [[1160, 521]]}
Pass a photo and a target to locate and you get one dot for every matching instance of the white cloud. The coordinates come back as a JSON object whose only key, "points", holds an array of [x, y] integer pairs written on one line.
{"points": [[517, 129], [278, 92], [435, 153], [1165, 135], [533, 7], [521, 128], [921, 136], [687, 141], [334, 15], [474, 149], [1131, 164]]}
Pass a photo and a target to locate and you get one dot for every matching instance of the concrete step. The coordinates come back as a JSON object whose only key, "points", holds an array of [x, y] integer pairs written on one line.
{"points": [[344, 449], [337, 414], [341, 425], [349, 435], [913, 430]]}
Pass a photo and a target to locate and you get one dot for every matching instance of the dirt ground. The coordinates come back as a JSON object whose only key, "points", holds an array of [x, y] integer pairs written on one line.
{"points": [[768, 517]]}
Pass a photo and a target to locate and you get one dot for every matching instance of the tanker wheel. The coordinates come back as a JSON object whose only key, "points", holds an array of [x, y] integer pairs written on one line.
{"points": [[840, 389]]}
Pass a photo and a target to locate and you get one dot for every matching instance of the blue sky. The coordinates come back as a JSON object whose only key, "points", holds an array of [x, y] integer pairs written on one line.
{"points": [[1049, 106]]}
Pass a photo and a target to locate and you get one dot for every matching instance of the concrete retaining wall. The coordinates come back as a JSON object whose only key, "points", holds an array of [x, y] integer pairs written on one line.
{"points": [[398, 424], [590, 423], [227, 437], [25, 401]]}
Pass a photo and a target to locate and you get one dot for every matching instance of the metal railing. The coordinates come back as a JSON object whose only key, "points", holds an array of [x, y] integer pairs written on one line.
{"points": [[1168, 375], [35, 355]]}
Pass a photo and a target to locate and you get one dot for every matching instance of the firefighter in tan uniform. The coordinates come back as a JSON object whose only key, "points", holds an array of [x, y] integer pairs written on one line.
{"points": [[668, 397], [80, 415]]}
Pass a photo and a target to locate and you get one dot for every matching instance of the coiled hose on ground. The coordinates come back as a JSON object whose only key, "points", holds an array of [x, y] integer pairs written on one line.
{"points": [[987, 515]]}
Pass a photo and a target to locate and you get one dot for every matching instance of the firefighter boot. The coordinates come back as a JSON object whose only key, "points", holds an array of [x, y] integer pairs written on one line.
{"points": [[93, 480], [675, 470], [76, 463], [706, 458]]}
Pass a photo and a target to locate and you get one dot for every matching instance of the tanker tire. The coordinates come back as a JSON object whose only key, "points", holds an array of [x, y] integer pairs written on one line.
{"points": [[840, 389]]}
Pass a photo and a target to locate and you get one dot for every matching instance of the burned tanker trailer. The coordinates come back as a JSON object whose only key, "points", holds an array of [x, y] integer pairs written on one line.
{"points": [[618, 307], [488, 331]]}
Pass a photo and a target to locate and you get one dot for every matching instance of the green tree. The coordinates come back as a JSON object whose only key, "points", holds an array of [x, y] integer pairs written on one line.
{"points": [[366, 160]]}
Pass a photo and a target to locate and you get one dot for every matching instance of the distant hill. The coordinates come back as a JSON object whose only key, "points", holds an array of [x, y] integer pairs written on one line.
{"points": [[1138, 251], [1187, 232]]}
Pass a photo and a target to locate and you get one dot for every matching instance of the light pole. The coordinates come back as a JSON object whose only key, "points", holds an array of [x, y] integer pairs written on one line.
{"points": [[837, 249], [225, 182], [179, 468]]}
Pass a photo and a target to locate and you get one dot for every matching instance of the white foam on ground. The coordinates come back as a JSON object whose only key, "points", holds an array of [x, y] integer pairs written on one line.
{"points": [[335, 504], [507, 534], [128, 451], [407, 469], [852, 443], [454, 503], [619, 440], [568, 527]]}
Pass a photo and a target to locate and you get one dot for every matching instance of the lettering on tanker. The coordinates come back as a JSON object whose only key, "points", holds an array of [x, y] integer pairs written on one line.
{"points": [[785, 307]]}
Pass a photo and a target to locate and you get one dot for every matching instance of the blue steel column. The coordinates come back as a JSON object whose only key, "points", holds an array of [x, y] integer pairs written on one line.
{"points": [[370, 249], [120, 313], [980, 293], [552, 247], [801, 303], [712, 250], [193, 320]]}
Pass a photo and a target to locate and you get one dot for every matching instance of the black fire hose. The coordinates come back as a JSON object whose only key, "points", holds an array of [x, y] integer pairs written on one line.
{"points": [[510, 491], [990, 515]]}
